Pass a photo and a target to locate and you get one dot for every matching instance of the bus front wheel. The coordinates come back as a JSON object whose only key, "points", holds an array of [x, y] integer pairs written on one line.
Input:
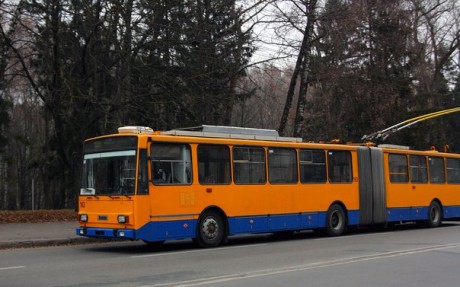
{"points": [[335, 220], [211, 229]]}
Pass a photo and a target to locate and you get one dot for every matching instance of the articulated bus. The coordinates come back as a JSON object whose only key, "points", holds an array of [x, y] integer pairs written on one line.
{"points": [[211, 182]]}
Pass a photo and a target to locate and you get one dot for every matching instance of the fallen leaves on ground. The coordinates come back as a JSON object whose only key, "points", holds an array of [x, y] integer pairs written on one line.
{"points": [[37, 216]]}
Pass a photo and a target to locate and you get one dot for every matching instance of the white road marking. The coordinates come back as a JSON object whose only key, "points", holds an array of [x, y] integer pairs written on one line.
{"points": [[298, 268], [352, 236], [12, 267], [196, 251]]}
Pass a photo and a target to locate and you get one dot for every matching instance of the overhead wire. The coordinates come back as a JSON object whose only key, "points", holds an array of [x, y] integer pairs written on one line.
{"points": [[385, 133]]}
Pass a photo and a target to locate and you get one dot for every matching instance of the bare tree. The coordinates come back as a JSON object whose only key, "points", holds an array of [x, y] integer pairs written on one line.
{"points": [[264, 89], [436, 42]]}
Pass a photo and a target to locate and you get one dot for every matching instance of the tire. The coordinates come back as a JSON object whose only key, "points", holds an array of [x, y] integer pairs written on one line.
{"points": [[211, 229], [336, 221], [434, 215]]}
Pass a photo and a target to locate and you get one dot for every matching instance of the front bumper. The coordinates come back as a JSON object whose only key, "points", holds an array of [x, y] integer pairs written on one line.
{"points": [[106, 233]]}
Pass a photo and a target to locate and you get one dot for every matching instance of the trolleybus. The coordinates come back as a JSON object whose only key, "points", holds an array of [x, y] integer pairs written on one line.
{"points": [[211, 182]]}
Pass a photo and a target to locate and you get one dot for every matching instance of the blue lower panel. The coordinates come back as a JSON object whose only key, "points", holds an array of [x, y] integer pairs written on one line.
{"points": [[451, 212], [152, 231], [353, 217], [273, 223], [407, 214], [419, 213], [180, 229], [167, 230]]}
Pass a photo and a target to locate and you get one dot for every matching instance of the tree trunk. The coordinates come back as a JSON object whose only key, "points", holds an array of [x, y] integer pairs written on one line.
{"points": [[299, 122], [299, 68]]}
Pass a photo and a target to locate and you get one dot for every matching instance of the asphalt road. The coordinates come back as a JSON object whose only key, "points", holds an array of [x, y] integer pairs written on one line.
{"points": [[404, 256]]}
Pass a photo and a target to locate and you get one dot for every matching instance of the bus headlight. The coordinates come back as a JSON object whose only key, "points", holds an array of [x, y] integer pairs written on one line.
{"points": [[123, 219], [83, 217]]}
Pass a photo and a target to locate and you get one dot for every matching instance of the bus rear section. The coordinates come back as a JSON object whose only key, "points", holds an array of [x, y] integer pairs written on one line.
{"points": [[401, 185], [422, 186]]}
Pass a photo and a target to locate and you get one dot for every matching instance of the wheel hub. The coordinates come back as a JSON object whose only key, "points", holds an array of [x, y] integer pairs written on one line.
{"points": [[335, 221], [210, 228]]}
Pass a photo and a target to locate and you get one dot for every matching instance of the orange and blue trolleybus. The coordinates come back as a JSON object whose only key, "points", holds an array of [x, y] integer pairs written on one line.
{"points": [[211, 182]]}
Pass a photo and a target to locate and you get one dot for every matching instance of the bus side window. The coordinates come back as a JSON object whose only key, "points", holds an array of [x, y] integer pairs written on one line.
{"points": [[453, 170], [312, 166], [214, 164], [282, 165], [171, 164], [418, 171], [249, 165], [437, 174], [398, 168], [339, 163]]}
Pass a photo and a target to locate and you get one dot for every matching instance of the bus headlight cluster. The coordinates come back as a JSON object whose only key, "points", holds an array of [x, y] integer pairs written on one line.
{"points": [[123, 219], [83, 217]]}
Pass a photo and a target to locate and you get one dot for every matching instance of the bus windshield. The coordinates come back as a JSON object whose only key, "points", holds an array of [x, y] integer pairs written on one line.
{"points": [[109, 173]]}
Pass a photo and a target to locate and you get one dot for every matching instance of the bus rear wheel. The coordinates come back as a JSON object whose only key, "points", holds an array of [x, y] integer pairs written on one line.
{"points": [[211, 229], [335, 221], [434, 215]]}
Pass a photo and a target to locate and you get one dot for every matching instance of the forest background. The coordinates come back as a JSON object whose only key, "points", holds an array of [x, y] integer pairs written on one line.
{"points": [[316, 69]]}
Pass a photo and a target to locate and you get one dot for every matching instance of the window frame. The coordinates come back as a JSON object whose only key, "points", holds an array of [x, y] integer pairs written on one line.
{"points": [[303, 164], [390, 167], [454, 169], [430, 158], [418, 170], [143, 172], [294, 168], [203, 180], [189, 166], [330, 166], [250, 164]]}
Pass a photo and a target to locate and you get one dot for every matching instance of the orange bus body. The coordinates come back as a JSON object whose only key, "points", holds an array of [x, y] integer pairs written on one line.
{"points": [[209, 212]]}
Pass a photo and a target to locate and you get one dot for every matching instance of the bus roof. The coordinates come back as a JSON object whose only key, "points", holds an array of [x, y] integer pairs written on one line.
{"points": [[231, 133]]}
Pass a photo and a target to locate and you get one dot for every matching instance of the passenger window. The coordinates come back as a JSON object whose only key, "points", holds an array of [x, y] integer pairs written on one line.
{"points": [[312, 166], [249, 165], [398, 168], [171, 164], [437, 174], [214, 164], [339, 166], [453, 170], [282, 165], [418, 171]]}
